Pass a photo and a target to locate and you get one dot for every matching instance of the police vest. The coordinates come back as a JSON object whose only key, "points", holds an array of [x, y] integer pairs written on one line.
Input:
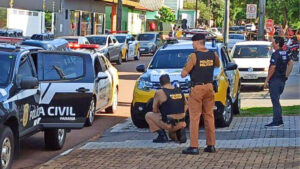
{"points": [[174, 103], [281, 60], [203, 71]]}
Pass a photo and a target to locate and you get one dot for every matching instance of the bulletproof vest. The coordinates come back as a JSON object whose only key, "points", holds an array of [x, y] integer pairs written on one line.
{"points": [[203, 71], [174, 103], [281, 64]]}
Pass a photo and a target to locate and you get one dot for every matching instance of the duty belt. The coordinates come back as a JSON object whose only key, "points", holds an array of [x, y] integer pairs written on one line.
{"points": [[172, 121]]}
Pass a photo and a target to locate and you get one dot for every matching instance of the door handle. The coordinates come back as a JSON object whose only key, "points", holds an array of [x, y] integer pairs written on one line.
{"points": [[82, 90]]}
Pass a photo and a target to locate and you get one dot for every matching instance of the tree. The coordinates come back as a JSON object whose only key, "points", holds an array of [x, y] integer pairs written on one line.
{"points": [[205, 11], [166, 15]]}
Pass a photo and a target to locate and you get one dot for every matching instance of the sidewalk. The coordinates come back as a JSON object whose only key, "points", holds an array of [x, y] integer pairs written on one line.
{"points": [[245, 144]]}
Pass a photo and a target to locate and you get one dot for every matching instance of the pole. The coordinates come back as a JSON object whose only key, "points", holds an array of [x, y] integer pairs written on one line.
{"points": [[196, 20], [261, 26], [226, 22], [119, 16]]}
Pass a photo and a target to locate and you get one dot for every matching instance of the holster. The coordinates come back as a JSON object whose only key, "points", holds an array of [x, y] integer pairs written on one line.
{"points": [[172, 121]]}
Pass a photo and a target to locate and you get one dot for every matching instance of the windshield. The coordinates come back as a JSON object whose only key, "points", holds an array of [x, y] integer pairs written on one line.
{"points": [[6, 61], [172, 59], [253, 51], [100, 40], [240, 37], [146, 37], [121, 39]]}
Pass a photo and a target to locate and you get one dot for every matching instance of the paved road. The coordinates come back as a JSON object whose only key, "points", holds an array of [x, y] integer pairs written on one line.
{"points": [[33, 152]]}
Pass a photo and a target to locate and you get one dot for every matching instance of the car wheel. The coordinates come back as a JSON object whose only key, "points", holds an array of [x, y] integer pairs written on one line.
{"points": [[91, 113], [237, 104], [119, 61], [138, 55], [114, 106], [137, 120], [7, 148], [55, 138], [227, 115]]}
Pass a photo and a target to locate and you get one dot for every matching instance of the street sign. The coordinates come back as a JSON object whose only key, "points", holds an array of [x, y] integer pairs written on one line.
{"points": [[251, 11], [270, 25]]}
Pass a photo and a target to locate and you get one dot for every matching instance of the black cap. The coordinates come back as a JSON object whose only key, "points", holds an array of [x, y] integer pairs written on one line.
{"points": [[198, 37]]}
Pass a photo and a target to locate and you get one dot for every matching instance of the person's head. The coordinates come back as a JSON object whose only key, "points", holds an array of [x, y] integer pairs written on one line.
{"points": [[164, 79], [198, 41], [278, 43]]}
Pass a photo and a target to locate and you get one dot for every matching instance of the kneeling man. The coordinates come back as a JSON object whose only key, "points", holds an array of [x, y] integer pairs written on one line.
{"points": [[169, 107]]}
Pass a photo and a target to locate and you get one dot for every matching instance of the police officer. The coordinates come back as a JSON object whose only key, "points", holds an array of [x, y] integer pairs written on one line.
{"points": [[168, 113], [280, 68], [201, 99]]}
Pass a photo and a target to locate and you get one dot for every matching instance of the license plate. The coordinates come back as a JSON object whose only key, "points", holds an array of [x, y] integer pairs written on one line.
{"points": [[142, 49], [250, 77]]}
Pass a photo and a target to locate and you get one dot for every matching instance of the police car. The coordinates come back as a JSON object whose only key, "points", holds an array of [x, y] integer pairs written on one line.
{"points": [[170, 59], [50, 91]]}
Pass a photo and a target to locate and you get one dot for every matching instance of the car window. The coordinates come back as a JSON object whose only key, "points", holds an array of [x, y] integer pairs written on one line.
{"points": [[252, 51], [224, 56], [61, 67], [99, 40], [97, 67], [25, 69], [146, 37], [240, 37], [102, 63], [109, 40], [6, 61], [121, 39], [114, 40]]}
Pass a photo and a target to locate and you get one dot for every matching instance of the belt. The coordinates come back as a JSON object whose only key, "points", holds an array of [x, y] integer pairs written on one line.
{"points": [[174, 121]]}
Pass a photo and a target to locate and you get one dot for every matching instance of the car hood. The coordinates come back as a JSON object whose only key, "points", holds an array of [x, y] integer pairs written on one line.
{"points": [[175, 74], [252, 62], [145, 43]]}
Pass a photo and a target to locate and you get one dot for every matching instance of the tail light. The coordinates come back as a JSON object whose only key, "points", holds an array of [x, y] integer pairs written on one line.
{"points": [[11, 40], [82, 46]]}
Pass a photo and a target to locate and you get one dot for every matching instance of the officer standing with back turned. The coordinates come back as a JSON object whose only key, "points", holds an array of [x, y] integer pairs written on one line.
{"points": [[201, 100]]}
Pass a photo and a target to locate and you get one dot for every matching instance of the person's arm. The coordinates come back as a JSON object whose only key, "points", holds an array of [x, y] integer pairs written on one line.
{"points": [[289, 68], [271, 70], [156, 103], [189, 65], [217, 60]]}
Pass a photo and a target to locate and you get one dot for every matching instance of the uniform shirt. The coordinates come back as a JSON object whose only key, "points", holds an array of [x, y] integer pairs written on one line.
{"points": [[280, 59]]}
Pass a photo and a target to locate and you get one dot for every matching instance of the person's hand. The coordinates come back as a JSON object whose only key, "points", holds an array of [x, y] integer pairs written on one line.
{"points": [[266, 85]]}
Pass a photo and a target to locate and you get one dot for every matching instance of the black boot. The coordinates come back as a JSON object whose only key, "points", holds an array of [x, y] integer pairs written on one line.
{"points": [[210, 149], [181, 136], [162, 137], [191, 150]]}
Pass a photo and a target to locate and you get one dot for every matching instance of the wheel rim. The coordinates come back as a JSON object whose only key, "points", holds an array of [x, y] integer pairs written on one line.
{"points": [[92, 111], [5, 153], [115, 101], [227, 111], [61, 135]]}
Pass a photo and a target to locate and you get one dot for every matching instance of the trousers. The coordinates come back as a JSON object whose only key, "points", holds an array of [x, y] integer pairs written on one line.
{"points": [[276, 87], [202, 101]]}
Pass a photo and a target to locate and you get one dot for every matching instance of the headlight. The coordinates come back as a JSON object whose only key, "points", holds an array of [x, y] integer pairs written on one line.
{"points": [[144, 84]]}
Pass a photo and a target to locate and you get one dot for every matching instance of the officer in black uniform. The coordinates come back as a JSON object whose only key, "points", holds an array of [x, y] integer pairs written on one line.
{"points": [[280, 68], [168, 113]]}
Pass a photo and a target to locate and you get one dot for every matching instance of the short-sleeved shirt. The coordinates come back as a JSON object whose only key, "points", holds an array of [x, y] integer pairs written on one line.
{"points": [[280, 59]]}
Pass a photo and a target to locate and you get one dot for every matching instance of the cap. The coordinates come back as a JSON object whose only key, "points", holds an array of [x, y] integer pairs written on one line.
{"points": [[198, 37]]}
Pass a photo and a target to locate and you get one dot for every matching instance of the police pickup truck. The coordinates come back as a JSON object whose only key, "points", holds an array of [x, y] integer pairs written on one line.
{"points": [[45, 91]]}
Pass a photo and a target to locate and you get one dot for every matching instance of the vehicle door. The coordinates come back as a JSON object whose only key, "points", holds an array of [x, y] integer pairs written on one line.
{"points": [[110, 46], [231, 74], [131, 46], [26, 96], [102, 83], [117, 47], [66, 87]]}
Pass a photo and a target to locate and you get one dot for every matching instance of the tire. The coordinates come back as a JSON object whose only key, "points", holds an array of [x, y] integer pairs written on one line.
{"points": [[126, 57], [91, 112], [137, 120], [119, 61], [227, 114], [113, 107], [237, 105], [138, 55], [55, 138], [7, 148]]}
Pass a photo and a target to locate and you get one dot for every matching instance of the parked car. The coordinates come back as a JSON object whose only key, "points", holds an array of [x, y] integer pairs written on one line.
{"points": [[253, 60], [171, 59], [75, 40], [149, 42], [130, 47], [109, 46], [250, 27], [235, 38], [47, 91], [47, 43]]}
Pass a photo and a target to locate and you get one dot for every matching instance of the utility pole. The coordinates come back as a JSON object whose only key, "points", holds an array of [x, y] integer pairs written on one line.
{"points": [[119, 16], [226, 22], [196, 20], [261, 26]]}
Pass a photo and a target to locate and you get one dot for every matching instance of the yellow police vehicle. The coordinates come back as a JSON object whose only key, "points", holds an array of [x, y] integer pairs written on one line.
{"points": [[129, 46], [170, 59]]}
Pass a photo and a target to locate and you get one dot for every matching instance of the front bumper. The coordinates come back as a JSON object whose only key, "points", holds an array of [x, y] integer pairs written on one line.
{"points": [[253, 78], [146, 50]]}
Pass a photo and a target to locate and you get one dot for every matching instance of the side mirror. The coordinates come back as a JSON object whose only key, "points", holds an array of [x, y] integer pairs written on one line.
{"points": [[231, 66], [140, 68], [101, 75], [111, 44], [29, 82]]}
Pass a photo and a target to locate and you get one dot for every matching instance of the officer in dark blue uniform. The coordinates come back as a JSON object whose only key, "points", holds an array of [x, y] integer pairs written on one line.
{"points": [[280, 68]]}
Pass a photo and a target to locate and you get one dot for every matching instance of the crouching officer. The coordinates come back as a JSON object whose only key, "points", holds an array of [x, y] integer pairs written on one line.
{"points": [[201, 99], [280, 68], [168, 113]]}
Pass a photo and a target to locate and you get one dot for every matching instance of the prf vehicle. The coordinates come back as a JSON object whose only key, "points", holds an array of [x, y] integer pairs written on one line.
{"points": [[171, 59], [130, 47]]}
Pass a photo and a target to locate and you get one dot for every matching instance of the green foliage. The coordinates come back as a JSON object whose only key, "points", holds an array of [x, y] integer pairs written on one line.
{"points": [[166, 15], [268, 111]]}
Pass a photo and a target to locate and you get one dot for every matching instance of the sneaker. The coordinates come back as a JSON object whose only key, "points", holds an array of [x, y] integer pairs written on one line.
{"points": [[161, 138], [181, 136], [191, 150], [275, 125], [210, 149]]}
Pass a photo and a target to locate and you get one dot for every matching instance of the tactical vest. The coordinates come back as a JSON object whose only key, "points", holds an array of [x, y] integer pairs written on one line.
{"points": [[203, 71], [281, 64], [174, 103]]}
